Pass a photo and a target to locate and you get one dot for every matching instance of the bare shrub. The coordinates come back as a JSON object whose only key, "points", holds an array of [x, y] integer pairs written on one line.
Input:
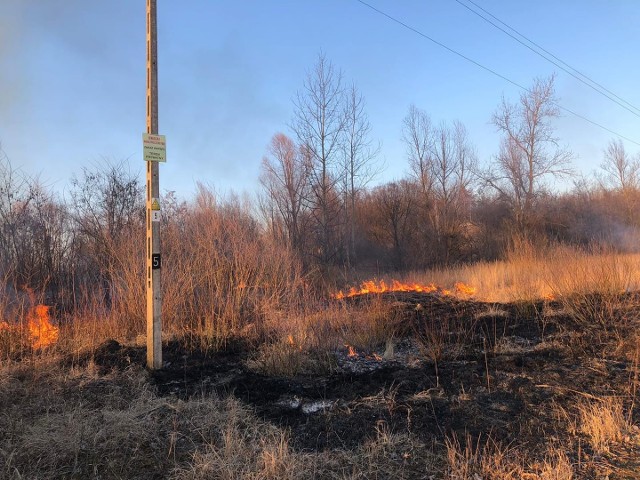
{"points": [[222, 274]]}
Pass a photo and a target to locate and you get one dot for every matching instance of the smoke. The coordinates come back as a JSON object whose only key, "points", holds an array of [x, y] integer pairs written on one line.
{"points": [[64, 67], [625, 238]]}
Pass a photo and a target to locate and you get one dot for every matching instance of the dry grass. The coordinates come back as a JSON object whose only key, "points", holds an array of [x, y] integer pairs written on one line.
{"points": [[556, 466], [603, 422], [491, 461], [71, 422], [75, 423], [532, 274]]}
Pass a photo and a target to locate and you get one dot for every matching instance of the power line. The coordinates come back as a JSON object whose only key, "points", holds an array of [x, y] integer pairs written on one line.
{"points": [[552, 55], [468, 59], [581, 77], [451, 50]]}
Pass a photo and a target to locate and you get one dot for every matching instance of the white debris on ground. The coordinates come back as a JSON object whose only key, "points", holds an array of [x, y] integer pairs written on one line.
{"points": [[306, 405], [317, 406]]}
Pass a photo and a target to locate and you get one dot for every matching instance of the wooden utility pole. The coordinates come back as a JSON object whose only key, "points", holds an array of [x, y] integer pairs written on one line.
{"points": [[152, 244]]}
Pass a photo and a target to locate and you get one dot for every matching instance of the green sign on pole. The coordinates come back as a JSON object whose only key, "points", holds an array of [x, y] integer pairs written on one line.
{"points": [[154, 148]]}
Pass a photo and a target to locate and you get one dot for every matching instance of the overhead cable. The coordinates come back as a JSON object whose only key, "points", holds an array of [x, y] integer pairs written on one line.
{"points": [[493, 72], [551, 58]]}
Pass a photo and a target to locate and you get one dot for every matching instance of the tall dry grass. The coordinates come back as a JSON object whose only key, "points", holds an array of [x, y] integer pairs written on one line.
{"points": [[223, 276], [531, 273], [487, 459], [603, 421]]}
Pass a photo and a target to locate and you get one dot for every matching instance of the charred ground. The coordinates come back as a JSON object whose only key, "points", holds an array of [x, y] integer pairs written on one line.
{"points": [[513, 373]]}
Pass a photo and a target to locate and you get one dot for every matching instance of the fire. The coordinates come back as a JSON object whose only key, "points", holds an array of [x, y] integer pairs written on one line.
{"points": [[465, 289], [352, 351], [292, 343], [42, 332], [371, 286]]}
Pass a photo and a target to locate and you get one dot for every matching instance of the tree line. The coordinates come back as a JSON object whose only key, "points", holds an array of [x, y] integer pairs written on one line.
{"points": [[318, 211], [450, 208]]}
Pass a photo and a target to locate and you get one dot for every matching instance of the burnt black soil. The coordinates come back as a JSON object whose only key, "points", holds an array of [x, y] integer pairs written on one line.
{"points": [[517, 369]]}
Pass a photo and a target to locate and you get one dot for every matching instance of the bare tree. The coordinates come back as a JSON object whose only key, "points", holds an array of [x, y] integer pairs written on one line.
{"points": [[529, 151], [285, 177], [441, 159], [14, 198], [319, 124], [620, 183], [622, 171], [359, 153], [389, 219], [417, 134], [108, 213], [453, 160]]}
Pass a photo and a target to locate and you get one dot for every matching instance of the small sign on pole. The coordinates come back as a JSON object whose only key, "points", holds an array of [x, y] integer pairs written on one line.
{"points": [[154, 148]]}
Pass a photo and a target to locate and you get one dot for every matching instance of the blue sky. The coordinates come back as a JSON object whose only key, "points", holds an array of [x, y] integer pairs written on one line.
{"points": [[72, 77]]}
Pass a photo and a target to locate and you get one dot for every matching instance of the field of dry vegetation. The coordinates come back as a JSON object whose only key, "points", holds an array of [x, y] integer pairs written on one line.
{"points": [[465, 322], [528, 372]]}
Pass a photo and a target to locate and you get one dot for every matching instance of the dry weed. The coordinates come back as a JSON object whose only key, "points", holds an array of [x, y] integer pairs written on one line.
{"points": [[556, 466], [285, 358], [371, 324], [490, 461], [604, 422]]}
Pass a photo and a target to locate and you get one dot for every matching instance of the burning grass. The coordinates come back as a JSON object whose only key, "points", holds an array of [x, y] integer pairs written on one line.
{"points": [[559, 273], [42, 332], [380, 286], [37, 333], [415, 378]]}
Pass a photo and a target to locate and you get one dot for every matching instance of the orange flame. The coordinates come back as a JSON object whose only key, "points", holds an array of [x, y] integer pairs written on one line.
{"points": [[371, 286], [352, 351], [42, 332], [465, 289], [292, 343]]}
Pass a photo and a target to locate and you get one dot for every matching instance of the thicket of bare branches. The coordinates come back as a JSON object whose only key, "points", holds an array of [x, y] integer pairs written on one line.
{"points": [[229, 265]]}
